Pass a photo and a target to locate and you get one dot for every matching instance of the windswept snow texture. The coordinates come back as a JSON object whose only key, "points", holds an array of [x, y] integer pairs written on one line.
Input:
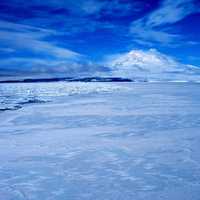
{"points": [[102, 141], [14, 96]]}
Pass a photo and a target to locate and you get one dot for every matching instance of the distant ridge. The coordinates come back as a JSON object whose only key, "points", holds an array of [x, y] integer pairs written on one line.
{"points": [[85, 79]]}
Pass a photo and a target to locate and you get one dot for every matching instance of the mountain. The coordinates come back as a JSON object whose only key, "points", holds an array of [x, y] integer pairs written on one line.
{"points": [[84, 79], [151, 65]]}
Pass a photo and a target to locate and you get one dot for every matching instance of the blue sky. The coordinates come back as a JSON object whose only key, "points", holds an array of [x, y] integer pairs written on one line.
{"points": [[65, 36]]}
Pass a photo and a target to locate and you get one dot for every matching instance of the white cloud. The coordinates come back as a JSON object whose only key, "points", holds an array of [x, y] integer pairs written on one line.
{"points": [[91, 6], [152, 65], [148, 34], [24, 37], [150, 28], [44, 67], [171, 11], [32, 54]]}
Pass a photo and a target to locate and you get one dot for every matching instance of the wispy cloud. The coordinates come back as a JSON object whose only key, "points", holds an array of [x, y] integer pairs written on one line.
{"points": [[155, 27], [32, 53], [28, 50], [71, 16], [23, 37], [171, 12]]}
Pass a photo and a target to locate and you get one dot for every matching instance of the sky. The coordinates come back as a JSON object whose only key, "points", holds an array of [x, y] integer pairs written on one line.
{"points": [[81, 37]]}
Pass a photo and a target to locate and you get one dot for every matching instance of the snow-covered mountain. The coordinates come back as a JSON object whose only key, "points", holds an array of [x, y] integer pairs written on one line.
{"points": [[152, 65]]}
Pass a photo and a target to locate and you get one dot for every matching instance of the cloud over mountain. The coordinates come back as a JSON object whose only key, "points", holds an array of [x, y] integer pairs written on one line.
{"points": [[151, 65]]}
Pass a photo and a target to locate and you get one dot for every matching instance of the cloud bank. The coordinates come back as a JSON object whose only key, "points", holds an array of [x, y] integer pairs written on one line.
{"points": [[151, 65]]}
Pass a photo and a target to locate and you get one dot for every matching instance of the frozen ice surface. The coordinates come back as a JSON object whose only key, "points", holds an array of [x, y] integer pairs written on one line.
{"points": [[102, 141], [12, 96]]}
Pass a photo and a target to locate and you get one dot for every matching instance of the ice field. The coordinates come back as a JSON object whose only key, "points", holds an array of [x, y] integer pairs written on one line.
{"points": [[100, 141]]}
